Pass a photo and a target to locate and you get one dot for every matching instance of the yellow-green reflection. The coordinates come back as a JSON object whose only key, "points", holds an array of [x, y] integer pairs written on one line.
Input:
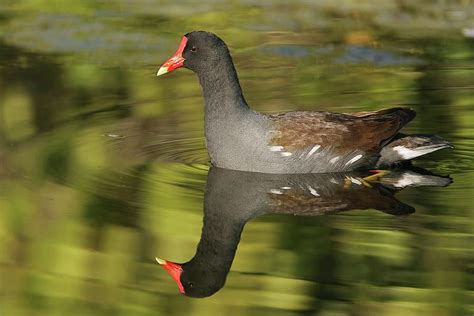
{"points": [[102, 165]]}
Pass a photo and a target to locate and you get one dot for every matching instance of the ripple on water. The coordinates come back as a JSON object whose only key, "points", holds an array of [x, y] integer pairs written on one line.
{"points": [[122, 163], [190, 151], [135, 183]]}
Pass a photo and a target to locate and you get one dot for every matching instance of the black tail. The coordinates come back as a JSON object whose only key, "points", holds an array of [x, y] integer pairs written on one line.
{"points": [[405, 114]]}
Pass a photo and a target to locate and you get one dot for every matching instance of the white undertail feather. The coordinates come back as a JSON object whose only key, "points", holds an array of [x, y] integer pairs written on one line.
{"points": [[407, 153]]}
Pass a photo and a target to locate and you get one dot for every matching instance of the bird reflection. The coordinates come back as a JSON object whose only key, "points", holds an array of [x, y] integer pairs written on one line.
{"points": [[232, 198]]}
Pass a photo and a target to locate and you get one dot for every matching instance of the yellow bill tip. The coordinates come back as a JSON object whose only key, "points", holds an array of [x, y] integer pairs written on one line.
{"points": [[162, 71], [160, 261]]}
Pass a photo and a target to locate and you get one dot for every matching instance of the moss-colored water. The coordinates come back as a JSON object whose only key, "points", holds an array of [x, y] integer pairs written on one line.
{"points": [[103, 166]]}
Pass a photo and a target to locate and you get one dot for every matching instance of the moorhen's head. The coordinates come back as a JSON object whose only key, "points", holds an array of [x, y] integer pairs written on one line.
{"points": [[199, 51], [195, 279]]}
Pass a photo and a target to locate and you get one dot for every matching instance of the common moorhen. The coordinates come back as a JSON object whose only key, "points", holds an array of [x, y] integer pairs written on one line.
{"points": [[294, 142], [232, 198]]}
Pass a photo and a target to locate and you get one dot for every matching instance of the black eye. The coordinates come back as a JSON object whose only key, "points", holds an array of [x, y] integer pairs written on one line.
{"points": [[194, 49], [191, 284]]}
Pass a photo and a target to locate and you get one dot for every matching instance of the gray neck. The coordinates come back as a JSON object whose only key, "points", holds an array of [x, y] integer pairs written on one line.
{"points": [[219, 240], [222, 92]]}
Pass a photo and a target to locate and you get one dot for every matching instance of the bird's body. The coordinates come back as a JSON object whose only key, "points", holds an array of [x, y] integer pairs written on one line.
{"points": [[239, 138], [301, 142]]}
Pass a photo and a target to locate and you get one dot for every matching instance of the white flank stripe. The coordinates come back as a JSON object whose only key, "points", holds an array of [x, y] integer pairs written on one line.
{"points": [[276, 191], [313, 150], [354, 180], [350, 162], [335, 159], [276, 148], [313, 191]]}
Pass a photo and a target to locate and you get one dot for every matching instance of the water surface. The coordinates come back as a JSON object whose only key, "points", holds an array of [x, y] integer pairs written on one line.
{"points": [[103, 166]]}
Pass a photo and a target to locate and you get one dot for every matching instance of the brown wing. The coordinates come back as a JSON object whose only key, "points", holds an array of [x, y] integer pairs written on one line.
{"points": [[343, 132]]}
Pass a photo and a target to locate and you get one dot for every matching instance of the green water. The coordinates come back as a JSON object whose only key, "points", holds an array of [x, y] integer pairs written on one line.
{"points": [[103, 165]]}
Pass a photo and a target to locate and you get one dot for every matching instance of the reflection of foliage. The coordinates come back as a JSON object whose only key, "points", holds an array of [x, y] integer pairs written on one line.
{"points": [[79, 102]]}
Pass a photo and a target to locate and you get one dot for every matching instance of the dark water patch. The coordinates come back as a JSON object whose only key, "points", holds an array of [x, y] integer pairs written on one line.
{"points": [[356, 54]]}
